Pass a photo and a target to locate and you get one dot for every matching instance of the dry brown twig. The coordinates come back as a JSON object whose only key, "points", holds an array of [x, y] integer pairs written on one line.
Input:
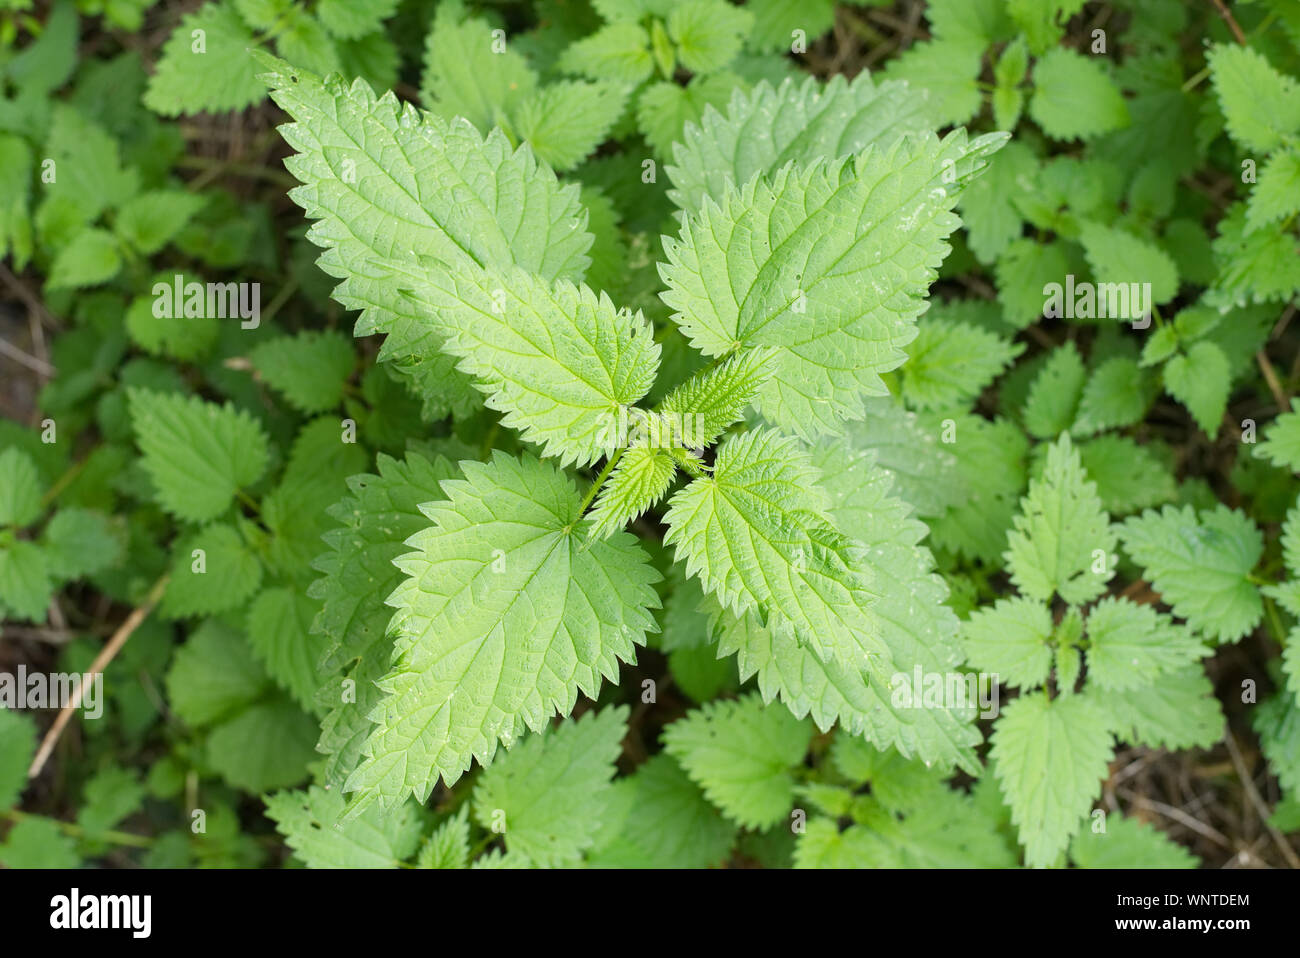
{"points": [[1231, 21], [1257, 801], [105, 656]]}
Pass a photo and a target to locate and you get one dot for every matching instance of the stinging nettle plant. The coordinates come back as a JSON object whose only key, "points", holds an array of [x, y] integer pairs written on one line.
{"points": [[698, 488], [798, 272]]}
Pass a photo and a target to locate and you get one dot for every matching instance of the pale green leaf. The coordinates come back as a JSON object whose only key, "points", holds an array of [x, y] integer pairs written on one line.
{"points": [[825, 264], [1074, 96], [1050, 757], [801, 122], [210, 76], [640, 479], [506, 615], [741, 753], [1010, 640], [198, 454], [1063, 542], [311, 368], [1128, 843], [309, 822], [548, 794], [1201, 565], [212, 570], [1260, 104]]}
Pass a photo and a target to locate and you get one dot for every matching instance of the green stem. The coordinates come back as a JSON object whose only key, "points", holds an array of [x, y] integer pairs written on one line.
{"points": [[74, 830], [281, 298], [482, 844], [490, 439], [62, 482], [1274, 622], [610, 463]]}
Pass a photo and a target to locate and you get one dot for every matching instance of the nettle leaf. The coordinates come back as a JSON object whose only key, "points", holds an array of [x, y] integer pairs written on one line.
{"points": [[311, 826], [1063, 542], [707, 33], [1177, 710], [469, 72], [1277, 723], [640, 480], [1008, 73], [294, 511], [559, 360], [990, 465], [17, 746], [311, 368], [1023, 270], [279, 631], [1129, 476], [1291, 541], [1074, 96], [25, 583], [1116, 394], [801, 122], [1054, 396], [618, 51], [93, 256], [757, 536], [198, 454], [38, 842], [949, 364], [918, 626], [660, 819], [20, 488], [304, 41], [918, 629], [948, 72], [664, 110], [350, 19], [741, 752], [1254, 267], [775, 21], [564, 122], [1200, 563], [375, 520], [448, 846], [1042, 21], [1281, 445], [150, 220], [1116, 256], [110, 796], [548, 795], [984, 21], [213, 675], [386, 182], [1010, 639], [1277, 194], [829, 264], [213, 570], [926, 472], [505, 615], [710, 401], [267, 746], [1261, 106], [80, 542], [1129, 645], [1050, 756], [988, 205], [1128, 843], [218, 76]]}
